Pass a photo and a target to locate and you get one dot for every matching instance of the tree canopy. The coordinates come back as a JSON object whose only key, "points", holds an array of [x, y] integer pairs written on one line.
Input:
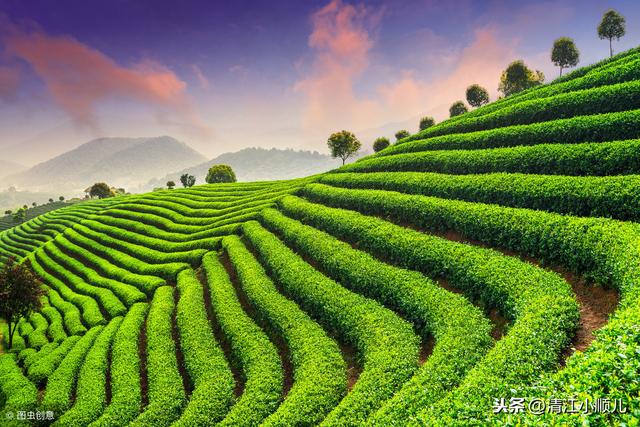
{"points": [[220, 173], [380, 144], [611, 27], [343, 145], [171, 184], [457, 108], [187, 180], [477, 95], [101, 190], [401, 134], [426, 122], [518, 77], [20, 293], [565, 54]]}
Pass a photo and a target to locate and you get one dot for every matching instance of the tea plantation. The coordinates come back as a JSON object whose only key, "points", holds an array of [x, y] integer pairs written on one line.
{"points": [[440, 282]]}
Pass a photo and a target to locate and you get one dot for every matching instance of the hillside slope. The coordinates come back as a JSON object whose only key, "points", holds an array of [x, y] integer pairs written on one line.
{"points": [[122, 162], [259, 164], [8, 168], [435, 283]]}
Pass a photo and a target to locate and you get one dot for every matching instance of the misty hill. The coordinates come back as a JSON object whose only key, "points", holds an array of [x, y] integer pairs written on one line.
{"points": [[121, 162], [260, 164], [8, 168]]}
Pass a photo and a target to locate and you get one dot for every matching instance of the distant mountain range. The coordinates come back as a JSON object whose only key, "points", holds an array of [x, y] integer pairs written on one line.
{"points": [[8, 168], [259, 164], [121, 162]]}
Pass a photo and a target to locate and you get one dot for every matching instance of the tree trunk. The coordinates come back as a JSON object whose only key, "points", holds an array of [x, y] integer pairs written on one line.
{"points": [[11, 334], [610, 48], [560, 71], [343, 159]]}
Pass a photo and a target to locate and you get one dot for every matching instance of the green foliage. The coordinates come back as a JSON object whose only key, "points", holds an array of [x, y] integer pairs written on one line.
{"points": [[204, 360], [126, 396], [220, 174], [427, 122], [386, 344], [319, 370], [565, 54], [541, 302], [612, 26], [251, 350], [61, 383], [401, 134], [166, 391], [90, 396], [101, 190], [20, 393], [343, 145], [611, 98], [170, 185], [457, 108], [518, 77], [187, 180], [460, 330], [610, 196], [20, 293], [380, 144], [476, 96]]}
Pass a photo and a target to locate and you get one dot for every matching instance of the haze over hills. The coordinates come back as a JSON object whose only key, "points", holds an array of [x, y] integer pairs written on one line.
{"points": [[121, 162], [259, 164], [8, 167]]}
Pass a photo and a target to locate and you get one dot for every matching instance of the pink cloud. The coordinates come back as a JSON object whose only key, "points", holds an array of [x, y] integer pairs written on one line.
{"points": [[341, 42], [9, 83], [202, 80], [482, 62], [79, 77]]}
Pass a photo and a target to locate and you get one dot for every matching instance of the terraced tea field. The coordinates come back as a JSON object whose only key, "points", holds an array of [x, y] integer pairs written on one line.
{"points": [[462, 267]]}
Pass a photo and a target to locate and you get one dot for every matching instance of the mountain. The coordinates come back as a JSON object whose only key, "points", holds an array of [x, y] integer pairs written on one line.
{"points": [[121, 162], [259, 164], [8, 168]]}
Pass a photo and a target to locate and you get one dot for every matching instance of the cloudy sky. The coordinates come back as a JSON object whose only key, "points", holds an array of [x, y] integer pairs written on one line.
{"points": [[226, 75]]}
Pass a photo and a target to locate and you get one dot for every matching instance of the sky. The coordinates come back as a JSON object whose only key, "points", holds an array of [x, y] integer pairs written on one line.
{"points": [[222, 76]]}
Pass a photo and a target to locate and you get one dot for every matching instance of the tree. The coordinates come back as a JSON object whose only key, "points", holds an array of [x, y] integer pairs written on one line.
{"points": [[343, 145], [401, 134], [101, 190], [20, 215], [477, 95], [170, 185], [61, 198], [565, 54], [25, 207], [50, 200], [20, 293], [220, 173], [380, 144], [457, 108], [518, 77], [611, 27], [187, 180], [8, 212], [426, 122]]}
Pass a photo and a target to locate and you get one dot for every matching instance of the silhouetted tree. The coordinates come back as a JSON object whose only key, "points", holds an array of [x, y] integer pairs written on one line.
{"points": [[401, 134], [187, 180], [477, 95], [220, 173], [518, 77], [20, 293], [101, 190], [50, 200], [170, 185], [380, 144], [611, 27], [343, 145], [61, 198], [426, 122], [565, 54], [8, 212], [457, 108]]}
